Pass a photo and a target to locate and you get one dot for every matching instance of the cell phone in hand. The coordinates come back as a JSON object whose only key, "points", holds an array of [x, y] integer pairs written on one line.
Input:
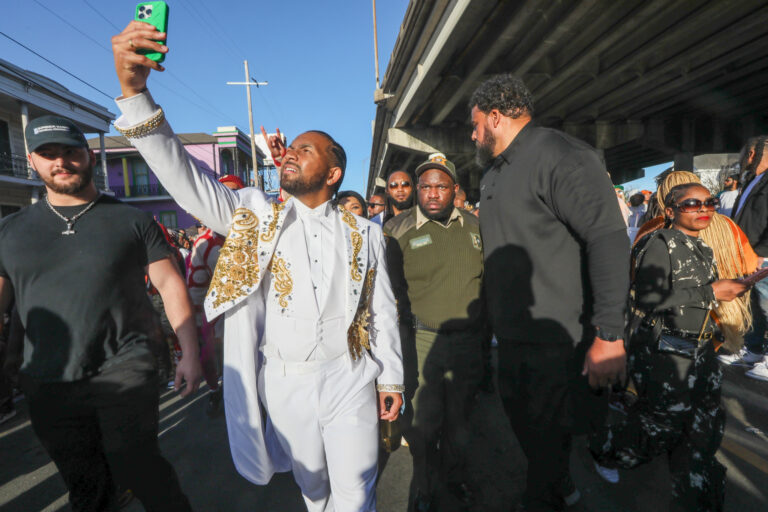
{"points": [[755, 277], [154, 13]]}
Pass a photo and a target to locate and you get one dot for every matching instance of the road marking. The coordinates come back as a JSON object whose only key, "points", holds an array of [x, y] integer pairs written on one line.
{"points": [[744, 454]]}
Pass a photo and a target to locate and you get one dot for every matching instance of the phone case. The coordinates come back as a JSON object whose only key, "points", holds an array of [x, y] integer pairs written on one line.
{"points": [[154, 13]]}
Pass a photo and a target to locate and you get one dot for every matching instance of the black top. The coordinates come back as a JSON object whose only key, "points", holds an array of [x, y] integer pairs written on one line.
{"points": [[673, 277], [753, 216], [81, 297], [556, 246]]}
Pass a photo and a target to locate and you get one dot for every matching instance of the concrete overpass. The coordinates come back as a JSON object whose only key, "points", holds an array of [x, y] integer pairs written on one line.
{"points": [[644, 81]]}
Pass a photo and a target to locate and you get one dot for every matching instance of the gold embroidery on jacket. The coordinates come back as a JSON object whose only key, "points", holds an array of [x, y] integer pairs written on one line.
{"points": [[282, 280], [354, 267], [269, 234], [358, 334], [238, 264], [347, 217]]}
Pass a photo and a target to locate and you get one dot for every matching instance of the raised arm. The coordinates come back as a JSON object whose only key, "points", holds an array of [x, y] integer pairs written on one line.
{"points": [[144, 124]]}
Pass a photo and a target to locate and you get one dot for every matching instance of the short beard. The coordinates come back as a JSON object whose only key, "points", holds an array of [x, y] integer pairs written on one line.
{"points": [[86, 178], [401, 205], [484, 150], [303, 185], [440, 216]]}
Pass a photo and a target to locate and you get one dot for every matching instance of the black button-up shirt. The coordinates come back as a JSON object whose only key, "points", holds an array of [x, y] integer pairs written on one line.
{"points": [[556, 247]]}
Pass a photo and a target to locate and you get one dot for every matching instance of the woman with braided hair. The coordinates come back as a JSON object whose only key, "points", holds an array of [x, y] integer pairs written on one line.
{"points": [[735, 258], [671, 357]]}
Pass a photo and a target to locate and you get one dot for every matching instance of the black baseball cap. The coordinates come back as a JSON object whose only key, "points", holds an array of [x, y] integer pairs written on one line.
{"points": [[438, 161], [53, 130]]}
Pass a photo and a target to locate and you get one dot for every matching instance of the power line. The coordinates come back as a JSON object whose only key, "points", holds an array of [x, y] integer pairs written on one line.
{"points": [[56, 65], [222, 32], [214, 111], [102, 16], [172, 75], [73, 26]]}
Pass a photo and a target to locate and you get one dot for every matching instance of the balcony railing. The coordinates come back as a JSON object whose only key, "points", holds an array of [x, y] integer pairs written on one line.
{"points": [[151, 190], [16, 166]]}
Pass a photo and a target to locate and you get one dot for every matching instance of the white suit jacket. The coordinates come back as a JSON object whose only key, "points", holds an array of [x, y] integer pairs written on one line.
{"points": [[254, 224]]}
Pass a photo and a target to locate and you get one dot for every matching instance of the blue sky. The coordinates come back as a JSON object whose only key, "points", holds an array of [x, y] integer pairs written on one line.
{"points": [[317, 57], [647, 182]]}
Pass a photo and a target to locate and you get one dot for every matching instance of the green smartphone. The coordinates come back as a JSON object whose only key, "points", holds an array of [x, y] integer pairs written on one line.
{"points": [[154, 13]]}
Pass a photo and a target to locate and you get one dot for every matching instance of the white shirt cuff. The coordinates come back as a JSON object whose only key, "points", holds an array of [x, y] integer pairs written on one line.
{"points": [[135, 109]]}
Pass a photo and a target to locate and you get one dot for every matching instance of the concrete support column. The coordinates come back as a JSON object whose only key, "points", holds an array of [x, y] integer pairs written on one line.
{"points": [[684, 161], [103, 155]]}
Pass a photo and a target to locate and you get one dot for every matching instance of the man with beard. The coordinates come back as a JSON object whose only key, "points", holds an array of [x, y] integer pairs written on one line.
{"points": [[399, 195], [76, 262], [556, 279], [301, 285], [435, 255]]}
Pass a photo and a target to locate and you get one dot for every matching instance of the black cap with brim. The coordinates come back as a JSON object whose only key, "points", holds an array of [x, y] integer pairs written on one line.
{"points": [[53, 130], [438, 161]]}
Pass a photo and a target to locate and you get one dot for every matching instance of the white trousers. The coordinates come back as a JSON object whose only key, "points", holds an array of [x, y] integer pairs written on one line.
{"points": [[325, 418]]}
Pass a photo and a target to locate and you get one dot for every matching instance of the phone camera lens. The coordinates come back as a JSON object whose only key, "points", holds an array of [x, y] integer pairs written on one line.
{"points": [[149, 12], [141, 8], [141, 16]]}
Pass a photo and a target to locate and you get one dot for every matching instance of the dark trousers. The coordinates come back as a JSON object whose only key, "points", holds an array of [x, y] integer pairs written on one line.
{"points": [[541, 387], [103, 430], [678, 413], [450, 370]]}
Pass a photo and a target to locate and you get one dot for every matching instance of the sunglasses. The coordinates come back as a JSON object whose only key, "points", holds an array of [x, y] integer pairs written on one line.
{"points": [[375, 204], [403, 184], [695, 205]]}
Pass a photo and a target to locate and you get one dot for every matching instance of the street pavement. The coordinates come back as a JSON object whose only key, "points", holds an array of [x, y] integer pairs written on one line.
{"points": [[197, 447]]}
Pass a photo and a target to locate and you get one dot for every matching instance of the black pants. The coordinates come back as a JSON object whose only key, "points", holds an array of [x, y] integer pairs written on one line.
{"points": [[678, 414], [103, 430], [450, 370], [541, 388]]}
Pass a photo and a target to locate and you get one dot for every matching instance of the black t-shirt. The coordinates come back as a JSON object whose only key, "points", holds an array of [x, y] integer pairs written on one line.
{"points": [[81, 297]]}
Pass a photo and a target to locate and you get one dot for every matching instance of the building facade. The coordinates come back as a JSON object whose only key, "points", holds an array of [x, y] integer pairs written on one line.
{"points": [[226, 151], [26, 95]]}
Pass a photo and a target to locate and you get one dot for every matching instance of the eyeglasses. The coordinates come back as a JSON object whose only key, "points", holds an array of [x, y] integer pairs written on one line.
{"points": [[695, 205], [374, 205], [403, 184]]}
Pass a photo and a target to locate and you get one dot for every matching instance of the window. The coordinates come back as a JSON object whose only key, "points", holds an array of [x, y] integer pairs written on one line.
{"points": [[5, 139], [140, 182], [168, 219]]}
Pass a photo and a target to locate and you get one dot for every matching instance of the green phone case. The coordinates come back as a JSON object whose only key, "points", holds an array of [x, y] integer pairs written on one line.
{"points": [[154, 13]]}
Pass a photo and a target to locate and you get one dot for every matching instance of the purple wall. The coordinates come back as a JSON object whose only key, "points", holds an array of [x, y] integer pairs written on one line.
{"points": [[150, 197]]}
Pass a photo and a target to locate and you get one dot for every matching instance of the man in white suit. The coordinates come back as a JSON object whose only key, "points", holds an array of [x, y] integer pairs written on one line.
{"points": [[310, 322]]}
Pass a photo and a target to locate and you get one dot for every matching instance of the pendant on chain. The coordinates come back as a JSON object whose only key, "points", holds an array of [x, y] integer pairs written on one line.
{"points": [[69, 230]]}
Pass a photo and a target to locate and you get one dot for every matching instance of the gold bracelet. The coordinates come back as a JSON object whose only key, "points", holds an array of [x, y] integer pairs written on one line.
{"points": [[145, 128], [390, 388]]}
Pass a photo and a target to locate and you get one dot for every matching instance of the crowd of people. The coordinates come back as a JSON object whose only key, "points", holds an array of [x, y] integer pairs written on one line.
{"points": [[317, 319]]}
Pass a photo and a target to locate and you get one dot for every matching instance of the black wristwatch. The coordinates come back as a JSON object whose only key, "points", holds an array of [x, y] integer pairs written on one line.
{"points": [[607, 336]]}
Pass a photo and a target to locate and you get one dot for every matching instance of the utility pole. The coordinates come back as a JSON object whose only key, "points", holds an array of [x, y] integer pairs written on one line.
{"points": [[248, 83]]}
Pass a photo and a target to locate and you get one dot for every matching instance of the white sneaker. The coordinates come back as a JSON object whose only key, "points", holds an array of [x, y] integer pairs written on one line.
{"points": [[610, 475], [759, 371], [742, 358]]}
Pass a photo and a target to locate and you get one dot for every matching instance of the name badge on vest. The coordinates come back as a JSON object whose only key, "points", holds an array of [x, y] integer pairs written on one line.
{"points": [[420, 241], [477, 242]]}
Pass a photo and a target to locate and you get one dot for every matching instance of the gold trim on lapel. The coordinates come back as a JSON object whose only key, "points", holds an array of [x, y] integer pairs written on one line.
{"points": [[358, 334], [237, 270], [242, 261]]}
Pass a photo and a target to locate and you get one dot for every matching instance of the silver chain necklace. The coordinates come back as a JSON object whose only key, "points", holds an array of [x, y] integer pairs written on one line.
{"points": [[71, 220]]}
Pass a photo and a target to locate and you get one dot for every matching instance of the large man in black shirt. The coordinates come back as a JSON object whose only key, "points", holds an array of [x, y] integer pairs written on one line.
{"points": [[556, 278], [76, 262]]}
